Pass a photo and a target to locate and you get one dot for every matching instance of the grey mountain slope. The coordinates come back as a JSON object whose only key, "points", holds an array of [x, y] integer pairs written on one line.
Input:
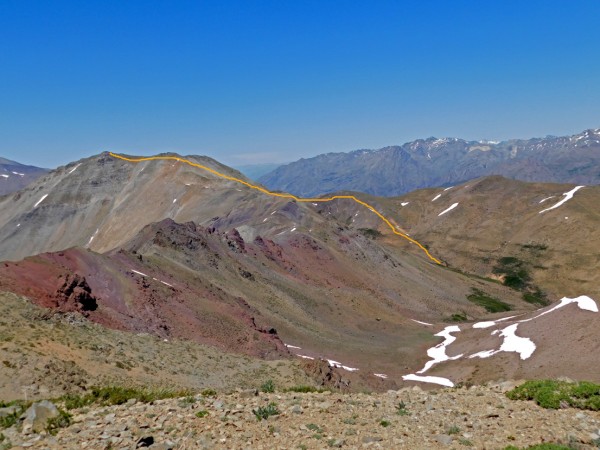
{"points": [[15, 176], [440, 162], [100, 202]]}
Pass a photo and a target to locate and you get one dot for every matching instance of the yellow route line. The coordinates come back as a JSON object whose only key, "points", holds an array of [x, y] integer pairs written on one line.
{"points": [[281, 195]]}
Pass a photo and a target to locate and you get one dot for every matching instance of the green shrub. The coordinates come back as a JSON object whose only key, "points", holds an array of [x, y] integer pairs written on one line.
{"points": [[117, 395], [457, 317], [536, 297], [401, 409], [554, 394], [264, 412], [305, 389], [370, 233], [208, 393], [314, 427], [491, 304], [385, 423], [202, 413], [515, 274], [453, 430], [63, 420], [268, 386]]}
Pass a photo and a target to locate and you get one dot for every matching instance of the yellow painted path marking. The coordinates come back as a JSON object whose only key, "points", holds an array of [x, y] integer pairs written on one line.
{"points": [[282, 195]]}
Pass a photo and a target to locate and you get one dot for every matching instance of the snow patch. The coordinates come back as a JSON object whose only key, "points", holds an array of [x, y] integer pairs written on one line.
{"points": [[73, 169], [381, 375], [292, 346], [454, 205], [547, 198], [18, 225], [428, 379], [568, 196], [436, 197], [404, 203], [339, 365], [4, 175], [293, 229], [422, 323], [174, 200], [438, 353], [490, 323], [448, 188], [164, 282], [20, 174], [583, 302], [139, 273], [304, 356], [92, 238], [40, 200], [512, 343]]}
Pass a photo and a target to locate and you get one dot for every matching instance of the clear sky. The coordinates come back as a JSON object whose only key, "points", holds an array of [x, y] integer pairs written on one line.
{"points": [[272, 81]]}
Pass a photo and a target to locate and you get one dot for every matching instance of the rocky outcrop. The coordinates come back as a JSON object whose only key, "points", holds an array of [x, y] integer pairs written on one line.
{"points": [[37, 415], [75, 295]]}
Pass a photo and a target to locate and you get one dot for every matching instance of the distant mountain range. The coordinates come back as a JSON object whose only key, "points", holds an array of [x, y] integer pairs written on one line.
{"points": [[434, 162], [15, 176]]}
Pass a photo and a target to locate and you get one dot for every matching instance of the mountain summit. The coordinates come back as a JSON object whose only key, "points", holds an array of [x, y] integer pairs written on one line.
{"points": [[434, 162]]}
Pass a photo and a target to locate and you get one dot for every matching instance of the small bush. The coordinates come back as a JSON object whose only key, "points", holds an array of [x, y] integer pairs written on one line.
{"points": [[491, 304], [515, 274], [268, 387], [453, 430], [305, 389], [63, 420], [117, 395], [208, 393], [401, 409], [314, 427], [264, 412], [554, 394], [536, 297], [370, 233], [385, 423], [202, 413], [458, 317], [9, 420]]}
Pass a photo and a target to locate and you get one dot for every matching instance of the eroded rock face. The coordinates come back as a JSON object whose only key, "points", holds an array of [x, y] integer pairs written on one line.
{"points": [[76, 295], [326, 375]]}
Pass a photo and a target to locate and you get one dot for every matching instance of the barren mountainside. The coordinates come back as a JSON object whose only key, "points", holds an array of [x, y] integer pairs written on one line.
{"points": [[163, 248]]}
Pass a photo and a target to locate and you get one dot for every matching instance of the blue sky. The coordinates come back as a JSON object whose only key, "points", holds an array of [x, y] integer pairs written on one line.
{"points": [[272, 81]]}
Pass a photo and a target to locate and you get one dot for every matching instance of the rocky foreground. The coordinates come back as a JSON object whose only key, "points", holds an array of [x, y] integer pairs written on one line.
{"points": [[477, 417]]}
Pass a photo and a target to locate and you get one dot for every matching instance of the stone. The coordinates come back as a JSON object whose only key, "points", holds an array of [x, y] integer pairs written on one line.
{"points": [[296, 409], [248, 393], [4, 412], [370, 439], [162, 446], [146, 441], [444, 439], [37, 415]]}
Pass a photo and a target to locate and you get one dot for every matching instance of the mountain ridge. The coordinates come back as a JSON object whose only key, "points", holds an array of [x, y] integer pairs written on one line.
{"points": [[424, 163]]}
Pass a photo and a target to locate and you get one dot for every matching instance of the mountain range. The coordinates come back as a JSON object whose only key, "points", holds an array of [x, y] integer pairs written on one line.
{"points": [[15, 176], [196, 255], [433, 162]]}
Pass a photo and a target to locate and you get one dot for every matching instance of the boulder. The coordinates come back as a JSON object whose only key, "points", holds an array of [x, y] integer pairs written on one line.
{"points": [[36, 417]]}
